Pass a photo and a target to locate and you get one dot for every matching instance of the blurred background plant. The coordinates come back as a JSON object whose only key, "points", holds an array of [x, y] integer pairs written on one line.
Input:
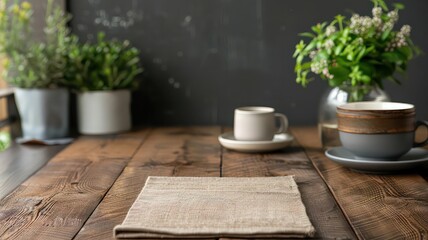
{"points": [[104, 65], [356, 53], [29, 63], [4, 140]]}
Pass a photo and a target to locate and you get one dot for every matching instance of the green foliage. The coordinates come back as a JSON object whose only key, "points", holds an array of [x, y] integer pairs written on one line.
{"points": [[361, 51], [29, 63], [104, 65], [5, 140]]}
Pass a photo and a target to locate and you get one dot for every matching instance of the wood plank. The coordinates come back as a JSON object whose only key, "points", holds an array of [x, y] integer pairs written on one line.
{"points": [[192, 151], [19, 162], [56, 201], [391, 206], [322, 209]]}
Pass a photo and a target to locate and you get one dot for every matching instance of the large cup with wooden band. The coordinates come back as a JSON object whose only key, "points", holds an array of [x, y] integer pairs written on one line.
{"points": [[382, 130]]}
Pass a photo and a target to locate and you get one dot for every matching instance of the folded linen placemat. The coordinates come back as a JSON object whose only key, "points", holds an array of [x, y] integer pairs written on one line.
{"points": [[199, 207]]}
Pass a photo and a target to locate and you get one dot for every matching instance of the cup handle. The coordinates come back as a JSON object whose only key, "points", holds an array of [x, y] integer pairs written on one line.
{"points": [[283, 120], [424, 142]]}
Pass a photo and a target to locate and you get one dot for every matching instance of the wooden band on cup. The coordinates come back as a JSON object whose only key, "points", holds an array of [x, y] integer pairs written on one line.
{"points": [[376, 122]]}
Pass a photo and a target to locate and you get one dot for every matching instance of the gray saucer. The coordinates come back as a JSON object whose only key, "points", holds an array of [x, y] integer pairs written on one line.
{"points": [[415, 157]]}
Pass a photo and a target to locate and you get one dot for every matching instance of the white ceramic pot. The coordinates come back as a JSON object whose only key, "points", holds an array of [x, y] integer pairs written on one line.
{"points": [[44, 113], [104, 112]]}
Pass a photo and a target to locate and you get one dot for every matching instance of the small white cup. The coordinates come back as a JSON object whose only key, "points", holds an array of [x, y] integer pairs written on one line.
{"points": [[258, 123]]}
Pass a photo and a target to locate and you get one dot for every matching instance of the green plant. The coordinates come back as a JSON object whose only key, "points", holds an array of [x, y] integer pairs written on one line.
{"points": [[4, 140], [104, 65], [29, 63], [362, 51]]}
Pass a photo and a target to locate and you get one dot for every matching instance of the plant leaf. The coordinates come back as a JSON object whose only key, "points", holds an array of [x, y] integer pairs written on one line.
{"points": [[307, 34], [398, 6], [391, 57], [340, 75]]}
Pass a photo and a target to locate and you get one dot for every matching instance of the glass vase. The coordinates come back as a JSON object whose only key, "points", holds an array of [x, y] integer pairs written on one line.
{"points": [[327, 120]]}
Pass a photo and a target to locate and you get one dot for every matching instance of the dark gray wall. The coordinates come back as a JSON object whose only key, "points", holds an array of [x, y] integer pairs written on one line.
{"points": [[203, 58]]}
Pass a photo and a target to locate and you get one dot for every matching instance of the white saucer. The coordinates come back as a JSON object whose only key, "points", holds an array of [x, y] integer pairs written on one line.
{"points": [[279, 141], [415, 157]]}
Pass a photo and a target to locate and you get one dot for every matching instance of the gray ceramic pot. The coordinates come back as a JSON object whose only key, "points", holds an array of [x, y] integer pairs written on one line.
{"points": [[44, 113]]}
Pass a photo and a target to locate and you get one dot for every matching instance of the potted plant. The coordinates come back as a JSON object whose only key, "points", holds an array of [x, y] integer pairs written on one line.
{"points": [[35, 68], [354, 56], [103, 75]]}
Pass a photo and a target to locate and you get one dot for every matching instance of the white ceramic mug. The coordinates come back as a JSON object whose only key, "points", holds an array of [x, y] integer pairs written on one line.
{"points": [[258, 123]]}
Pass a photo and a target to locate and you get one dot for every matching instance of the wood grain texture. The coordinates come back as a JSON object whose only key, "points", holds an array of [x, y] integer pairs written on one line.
{"points": [[377, 206], [321, 208], [56, 201], [19, 162], [87, 189], [192, 151]]}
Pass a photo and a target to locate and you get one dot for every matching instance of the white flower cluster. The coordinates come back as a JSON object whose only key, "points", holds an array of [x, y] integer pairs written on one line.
{"points": [[321, 67], [360, 25], [329, 44], [400, 38], [377, 17], [330, 30], [327, 73], [393, 18], [377, 12], [318, 66], [312, 54], [405, 30]]}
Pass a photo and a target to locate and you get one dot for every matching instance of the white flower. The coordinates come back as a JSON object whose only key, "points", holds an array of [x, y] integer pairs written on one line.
{"points": [[377, 12], [377, 22], [330, 30], [399, 39], [405, 30], [327, 73], [355, 17], [329, 44], [393, 16], [366, 21], [317, 67], [401, 43], [387, 26], [360, 25]]}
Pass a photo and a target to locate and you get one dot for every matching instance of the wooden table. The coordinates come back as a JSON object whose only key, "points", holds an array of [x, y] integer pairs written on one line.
{"points": [[86, 189]]}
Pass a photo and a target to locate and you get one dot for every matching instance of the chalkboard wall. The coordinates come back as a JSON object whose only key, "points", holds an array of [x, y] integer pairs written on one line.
{"points": [[203, 58]]}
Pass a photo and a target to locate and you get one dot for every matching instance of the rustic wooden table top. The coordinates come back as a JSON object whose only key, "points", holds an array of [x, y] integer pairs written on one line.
{"points": [[88, 187]]}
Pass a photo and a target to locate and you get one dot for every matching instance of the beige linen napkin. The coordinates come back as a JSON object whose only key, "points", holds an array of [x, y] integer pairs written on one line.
{"points": [[198, 207]]}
